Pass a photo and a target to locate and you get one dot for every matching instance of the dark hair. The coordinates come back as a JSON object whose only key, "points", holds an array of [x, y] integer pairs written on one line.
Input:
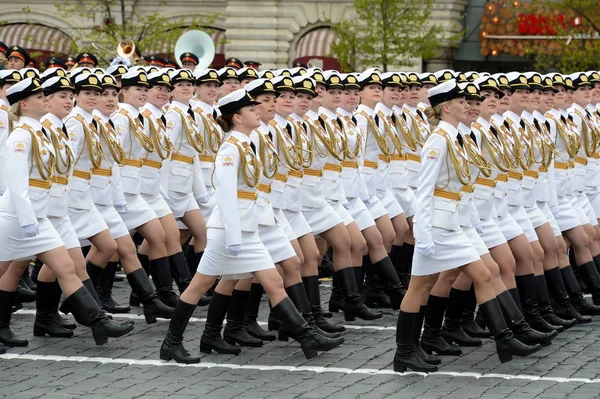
{"points": [[225, 122]]}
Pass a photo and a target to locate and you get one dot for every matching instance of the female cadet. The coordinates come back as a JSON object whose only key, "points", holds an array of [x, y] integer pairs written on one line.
{"points": [[346, 157], [138, 214], [155, 169], [440, 242], [317, 203], [25, 229], [109, 199], [186, 187], [234, 248]]}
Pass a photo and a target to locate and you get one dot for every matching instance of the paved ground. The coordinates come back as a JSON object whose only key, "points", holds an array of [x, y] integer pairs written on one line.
{"points": [[361, 368]]}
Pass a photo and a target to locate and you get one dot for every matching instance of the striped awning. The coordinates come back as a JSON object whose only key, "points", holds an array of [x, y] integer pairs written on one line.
{"points": [[217, 36], [316, 43], [35, 37]]}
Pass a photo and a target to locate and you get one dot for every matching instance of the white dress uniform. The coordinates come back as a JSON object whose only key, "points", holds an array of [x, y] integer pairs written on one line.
{"points": [[400, 174], [25, 200], [234, 220], [213, 137], [371, 169], [155, 164], [419, 128], [270, 230], [517, 197], [130, 130], [58, 203], [4, 131], [485, 188], [436, 203], [585, 175], [292, 179], [106, 179], [185, 174], [383, 118], [354, 185], [318, 212], [86, 219], [566, 217]]}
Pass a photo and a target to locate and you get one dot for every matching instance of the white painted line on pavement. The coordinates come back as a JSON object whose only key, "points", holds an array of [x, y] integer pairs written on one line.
{"points": [[291, 369], [132, 316]]}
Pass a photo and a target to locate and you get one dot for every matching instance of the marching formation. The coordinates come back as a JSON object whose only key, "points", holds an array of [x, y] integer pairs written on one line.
{"points": [[467, 201]]}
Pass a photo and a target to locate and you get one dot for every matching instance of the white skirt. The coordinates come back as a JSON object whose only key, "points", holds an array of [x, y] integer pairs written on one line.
{"points": [[509, 227], [520, 215], [181, 203], [298, 223], [491, 234], [584, 202], [321, 219], [594, 200], [405, 197], [158, 204], [342, 212], [276, 242], [208, 208], [390, 204], [87, 222], [113, 220], [548, 213], [66, 231], [567, 215], [217, 262], [375, 207], [536, 216], [15, 246], [138, 212], [452, 249], [282, 220], [476, 240], [361, 215]]}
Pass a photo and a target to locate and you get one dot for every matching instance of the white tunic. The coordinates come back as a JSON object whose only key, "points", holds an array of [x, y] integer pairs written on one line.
{"points": [[234, 220], [25, 200], [4, 131]]}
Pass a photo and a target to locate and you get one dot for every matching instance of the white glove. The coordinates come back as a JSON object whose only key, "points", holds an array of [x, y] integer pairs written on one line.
{"points": [[118, 60], [479, 228], [234, 250], [346, 205], [121, 206], [202, 199], [555, 211], [425, 248], [367, 200], [31, 230]]}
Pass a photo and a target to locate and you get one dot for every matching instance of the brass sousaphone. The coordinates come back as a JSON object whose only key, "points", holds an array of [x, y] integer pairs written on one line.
{"points": [[198, 43]]}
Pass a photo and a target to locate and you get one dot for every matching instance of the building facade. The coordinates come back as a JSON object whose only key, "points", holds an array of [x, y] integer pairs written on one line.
{"points": [[273, 32]]}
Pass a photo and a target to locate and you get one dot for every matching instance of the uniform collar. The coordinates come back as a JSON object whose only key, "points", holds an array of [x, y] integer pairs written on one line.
{"points": [[153, 109], [485, 124], [576, 107], [367, 110], [280, 120], [33, 123], [448, 128], [527, 116], [383, 108], [591, 107], [131, 109], [512, 116], [423, 105], [180, 105], [328, 113], [103, 118], [263, 128], [54, 120], [538, 115], [410, 108], [463, 129], [554, 112], [312, 115], [342, 112], [204, 106], [240, 136], [80, 111], [498, 119], [4, 102], [296, 117]]}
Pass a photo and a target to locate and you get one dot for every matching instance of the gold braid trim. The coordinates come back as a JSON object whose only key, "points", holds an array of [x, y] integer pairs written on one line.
{"points": [[137, 129], [93, 146], [379, 139], [293, 159], [44, 170], [250, 169], [114, 147], [193, 137]]}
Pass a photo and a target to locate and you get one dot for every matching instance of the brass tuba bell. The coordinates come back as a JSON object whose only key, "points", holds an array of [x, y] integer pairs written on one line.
{"points": [[126, 48]]}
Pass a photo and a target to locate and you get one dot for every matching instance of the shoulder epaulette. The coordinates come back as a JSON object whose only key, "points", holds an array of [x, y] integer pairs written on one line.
{"points": [[147, 113]]}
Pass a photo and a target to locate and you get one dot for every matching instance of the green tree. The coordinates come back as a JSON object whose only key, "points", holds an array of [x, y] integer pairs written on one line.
{"points": [[149, 30], [576, 50], [389, 33]]}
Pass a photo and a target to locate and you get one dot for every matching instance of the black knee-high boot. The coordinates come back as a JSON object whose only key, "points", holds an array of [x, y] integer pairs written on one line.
{"points": [[104, 286], [388, 277], [181, 275], [563, 306], [311, 285], [371, 290], [545, 305], [580, 281], [35, 270], [590, 275], [145, 263], [160, 271], [153, 307], [467, 321], [529, 304], [507, 345], [406, 258], [396, 258], [211, 337], [234, 331], [7, 337], [429, 358], [407, 355], [56, 293], [576, 295], [432, 340], [452, 331], [251, 315], [45, 323], [172, 346], [353, 305]]}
